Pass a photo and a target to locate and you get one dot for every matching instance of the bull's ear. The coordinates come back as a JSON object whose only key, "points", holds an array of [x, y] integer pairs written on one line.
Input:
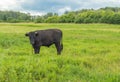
{"points": [[36, 33], [26, 34]]}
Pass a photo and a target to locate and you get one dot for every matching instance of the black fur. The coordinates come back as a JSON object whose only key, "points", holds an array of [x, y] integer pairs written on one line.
{"points": [[47, 37]]}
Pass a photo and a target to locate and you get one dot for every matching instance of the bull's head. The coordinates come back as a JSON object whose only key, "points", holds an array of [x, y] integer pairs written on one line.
{"points": [[32, 36]]}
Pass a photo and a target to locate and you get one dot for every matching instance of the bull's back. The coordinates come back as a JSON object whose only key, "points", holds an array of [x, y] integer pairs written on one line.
{"points": [[50, 33], [56, 34], [49, 36]]}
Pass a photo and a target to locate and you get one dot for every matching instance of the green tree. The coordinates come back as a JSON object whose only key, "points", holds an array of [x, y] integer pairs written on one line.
{"points": [[53, 19], [39, 19], [67, 18], [115, 19]]}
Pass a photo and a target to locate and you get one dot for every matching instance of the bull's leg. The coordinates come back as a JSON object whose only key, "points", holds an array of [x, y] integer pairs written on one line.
{"points": [[36, 50], [58, 47], [61, 47]]}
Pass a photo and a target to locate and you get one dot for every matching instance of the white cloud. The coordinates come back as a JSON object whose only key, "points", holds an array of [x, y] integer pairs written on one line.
{"points": [[10, 4], [17, 6], [96, 4], [107, 1], [40, 7], [34, 13], [62, 10]]}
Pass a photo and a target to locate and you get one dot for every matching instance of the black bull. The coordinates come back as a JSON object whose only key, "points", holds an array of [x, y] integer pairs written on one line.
{"points": [[47, 37]]}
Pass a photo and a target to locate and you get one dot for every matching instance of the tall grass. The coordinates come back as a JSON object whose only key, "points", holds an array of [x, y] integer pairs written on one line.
{"points": [[91, 54]]}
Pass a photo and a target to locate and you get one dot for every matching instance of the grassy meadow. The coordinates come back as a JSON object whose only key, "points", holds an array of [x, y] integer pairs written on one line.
{"points": [[91, 53]]}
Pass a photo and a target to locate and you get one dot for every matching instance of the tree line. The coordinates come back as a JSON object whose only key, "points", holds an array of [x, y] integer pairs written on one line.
{"points": [[13, 17], [110, 15]]}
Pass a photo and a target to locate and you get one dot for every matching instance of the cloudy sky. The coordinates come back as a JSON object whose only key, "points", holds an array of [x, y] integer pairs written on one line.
{"points": [[39, 7]]}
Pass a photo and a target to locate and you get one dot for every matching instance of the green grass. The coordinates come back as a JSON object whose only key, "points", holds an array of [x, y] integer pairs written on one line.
{"points": [[91, 54]]}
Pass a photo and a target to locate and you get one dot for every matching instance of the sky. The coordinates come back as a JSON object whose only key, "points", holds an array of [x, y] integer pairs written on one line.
{"points": [[40, 7]]}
